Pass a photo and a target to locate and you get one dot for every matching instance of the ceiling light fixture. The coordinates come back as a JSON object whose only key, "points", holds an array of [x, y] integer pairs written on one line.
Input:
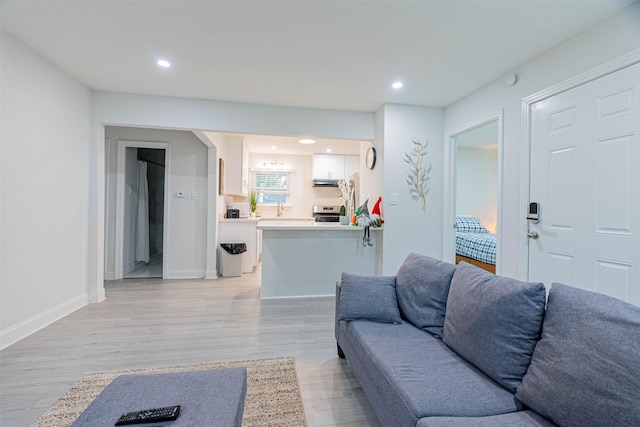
{"points": [[307, 141], [397, 85], [273, 147], [328, 150], [164, 63]]}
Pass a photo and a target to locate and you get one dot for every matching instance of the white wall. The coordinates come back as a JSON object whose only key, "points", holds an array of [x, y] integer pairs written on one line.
{"points": [[407, 227], [185, 113], [477, 184], [194, 114], [612, 38], [45, 192], [187, 219]]}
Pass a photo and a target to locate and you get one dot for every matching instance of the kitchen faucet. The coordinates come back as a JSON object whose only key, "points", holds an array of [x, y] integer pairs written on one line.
{"points": [[280, 209]]}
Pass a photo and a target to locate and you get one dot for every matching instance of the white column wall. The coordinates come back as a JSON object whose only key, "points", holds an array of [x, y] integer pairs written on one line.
{"points": [[407, 227], [612, 38], [45, 192]]}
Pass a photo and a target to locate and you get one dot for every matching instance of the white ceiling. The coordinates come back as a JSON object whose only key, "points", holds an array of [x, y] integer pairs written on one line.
{"points": [[318, 54]]}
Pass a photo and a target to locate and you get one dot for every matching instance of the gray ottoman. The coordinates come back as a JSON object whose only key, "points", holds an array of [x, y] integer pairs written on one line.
{"points": [[213, 398]]}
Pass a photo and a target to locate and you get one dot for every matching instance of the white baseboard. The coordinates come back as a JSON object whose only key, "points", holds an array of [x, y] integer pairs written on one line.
{"points": [[21, 330], [109, 275], [186, 274], [211, 275], [300, 296]]}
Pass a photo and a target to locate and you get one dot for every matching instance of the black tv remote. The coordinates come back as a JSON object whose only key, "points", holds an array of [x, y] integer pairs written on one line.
{"points": [[168, 413]]}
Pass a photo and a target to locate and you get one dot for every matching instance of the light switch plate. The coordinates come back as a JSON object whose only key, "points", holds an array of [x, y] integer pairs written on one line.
{"points": [[393, 199]]}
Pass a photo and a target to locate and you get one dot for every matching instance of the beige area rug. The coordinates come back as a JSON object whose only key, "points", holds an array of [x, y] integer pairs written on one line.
{"points": [[273, 393]]}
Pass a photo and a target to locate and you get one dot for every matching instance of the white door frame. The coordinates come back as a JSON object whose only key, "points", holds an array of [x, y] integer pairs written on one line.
{"points": [[449, 215], [609, 67], [120, 193]]}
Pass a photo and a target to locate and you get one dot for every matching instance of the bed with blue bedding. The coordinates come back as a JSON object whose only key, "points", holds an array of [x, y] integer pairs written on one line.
{"points": [[474, 243]]}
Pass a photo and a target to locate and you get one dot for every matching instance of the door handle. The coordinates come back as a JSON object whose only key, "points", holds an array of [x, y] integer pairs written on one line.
{"points": [[533, 235]]}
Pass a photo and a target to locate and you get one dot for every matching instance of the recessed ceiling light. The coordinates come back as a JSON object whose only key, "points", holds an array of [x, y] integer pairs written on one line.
{"points": [[274, 147], [164, 63], [397, 85], [328, 150], [307, 141]]}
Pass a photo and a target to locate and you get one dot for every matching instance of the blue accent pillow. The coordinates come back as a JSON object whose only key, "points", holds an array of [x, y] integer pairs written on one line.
{"points": [[422, 287], [368, 298], [469, 224], [585, 370], [494, 322]]}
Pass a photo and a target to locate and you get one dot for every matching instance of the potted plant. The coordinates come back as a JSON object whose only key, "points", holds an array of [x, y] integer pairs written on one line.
{"points": [[344, 219], [253, 203]]}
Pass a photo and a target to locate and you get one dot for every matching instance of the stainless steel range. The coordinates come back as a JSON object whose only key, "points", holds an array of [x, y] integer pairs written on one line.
{"points": [[326, 213]]}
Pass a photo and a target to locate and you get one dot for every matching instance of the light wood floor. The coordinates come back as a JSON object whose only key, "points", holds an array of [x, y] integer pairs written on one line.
{"points": [[150, 322]]}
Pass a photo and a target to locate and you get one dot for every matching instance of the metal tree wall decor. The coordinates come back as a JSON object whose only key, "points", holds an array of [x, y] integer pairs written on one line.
{"points": [[418, 175]]}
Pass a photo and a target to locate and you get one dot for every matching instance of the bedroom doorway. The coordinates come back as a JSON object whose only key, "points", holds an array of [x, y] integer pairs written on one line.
{"points": [[473, 199]]}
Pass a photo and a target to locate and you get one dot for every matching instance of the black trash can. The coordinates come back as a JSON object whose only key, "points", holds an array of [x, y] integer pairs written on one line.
{"points": [[231, 255]]}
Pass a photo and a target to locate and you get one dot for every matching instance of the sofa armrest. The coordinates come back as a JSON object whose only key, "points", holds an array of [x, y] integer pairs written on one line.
{"points": [[337, 322]]}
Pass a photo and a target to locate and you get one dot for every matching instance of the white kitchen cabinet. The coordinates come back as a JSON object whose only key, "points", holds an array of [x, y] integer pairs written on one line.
{"points": [[329, 166], [352, 165], [242, 231], [236, 167]]}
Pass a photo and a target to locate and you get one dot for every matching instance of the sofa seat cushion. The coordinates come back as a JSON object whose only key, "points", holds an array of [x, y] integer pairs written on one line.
{"points": [[422, 285], [513, 419], [408, 374], [585, 369], [494, 322]]}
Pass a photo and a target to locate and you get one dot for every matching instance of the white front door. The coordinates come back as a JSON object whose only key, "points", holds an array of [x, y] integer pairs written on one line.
{"points": [[585, 173]]}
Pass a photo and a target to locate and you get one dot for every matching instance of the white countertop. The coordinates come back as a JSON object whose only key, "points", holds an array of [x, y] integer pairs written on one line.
{"points": [[287, 218], [240, 220], [307, 225], [268, 218]]}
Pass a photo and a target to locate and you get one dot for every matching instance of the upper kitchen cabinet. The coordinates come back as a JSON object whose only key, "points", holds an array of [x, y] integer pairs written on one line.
{"points": [[329, 166], [352, 165], [236, 169]]}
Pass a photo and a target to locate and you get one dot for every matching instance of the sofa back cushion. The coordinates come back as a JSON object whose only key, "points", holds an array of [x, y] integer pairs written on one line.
{"points": [[368, 298], [585, 369], [494, 322], [422, 286]]}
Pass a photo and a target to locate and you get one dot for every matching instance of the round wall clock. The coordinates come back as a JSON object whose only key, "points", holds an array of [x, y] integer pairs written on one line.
{"points": [[371, 157]]}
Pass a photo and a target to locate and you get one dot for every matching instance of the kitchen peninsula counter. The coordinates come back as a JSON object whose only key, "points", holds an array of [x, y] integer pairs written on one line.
{"points": [[304, 258]]}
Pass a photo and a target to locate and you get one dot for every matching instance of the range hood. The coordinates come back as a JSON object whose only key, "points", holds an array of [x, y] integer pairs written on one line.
{"points": [[324, 182]]}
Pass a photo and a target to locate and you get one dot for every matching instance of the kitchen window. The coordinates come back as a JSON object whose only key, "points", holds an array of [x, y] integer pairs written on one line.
{"points": [[272, 187]]}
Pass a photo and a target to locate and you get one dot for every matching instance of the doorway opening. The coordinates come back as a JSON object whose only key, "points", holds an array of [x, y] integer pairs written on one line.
{"points": [[141, 209], [473, 200], [145, 212]]}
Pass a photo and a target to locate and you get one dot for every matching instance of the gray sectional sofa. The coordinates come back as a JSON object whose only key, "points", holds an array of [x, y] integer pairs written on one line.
{"points": [[445, 345]]}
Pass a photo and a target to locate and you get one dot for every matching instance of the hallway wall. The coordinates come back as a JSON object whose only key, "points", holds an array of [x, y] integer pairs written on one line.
{"points": [[614, 37], [44, 179]]}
